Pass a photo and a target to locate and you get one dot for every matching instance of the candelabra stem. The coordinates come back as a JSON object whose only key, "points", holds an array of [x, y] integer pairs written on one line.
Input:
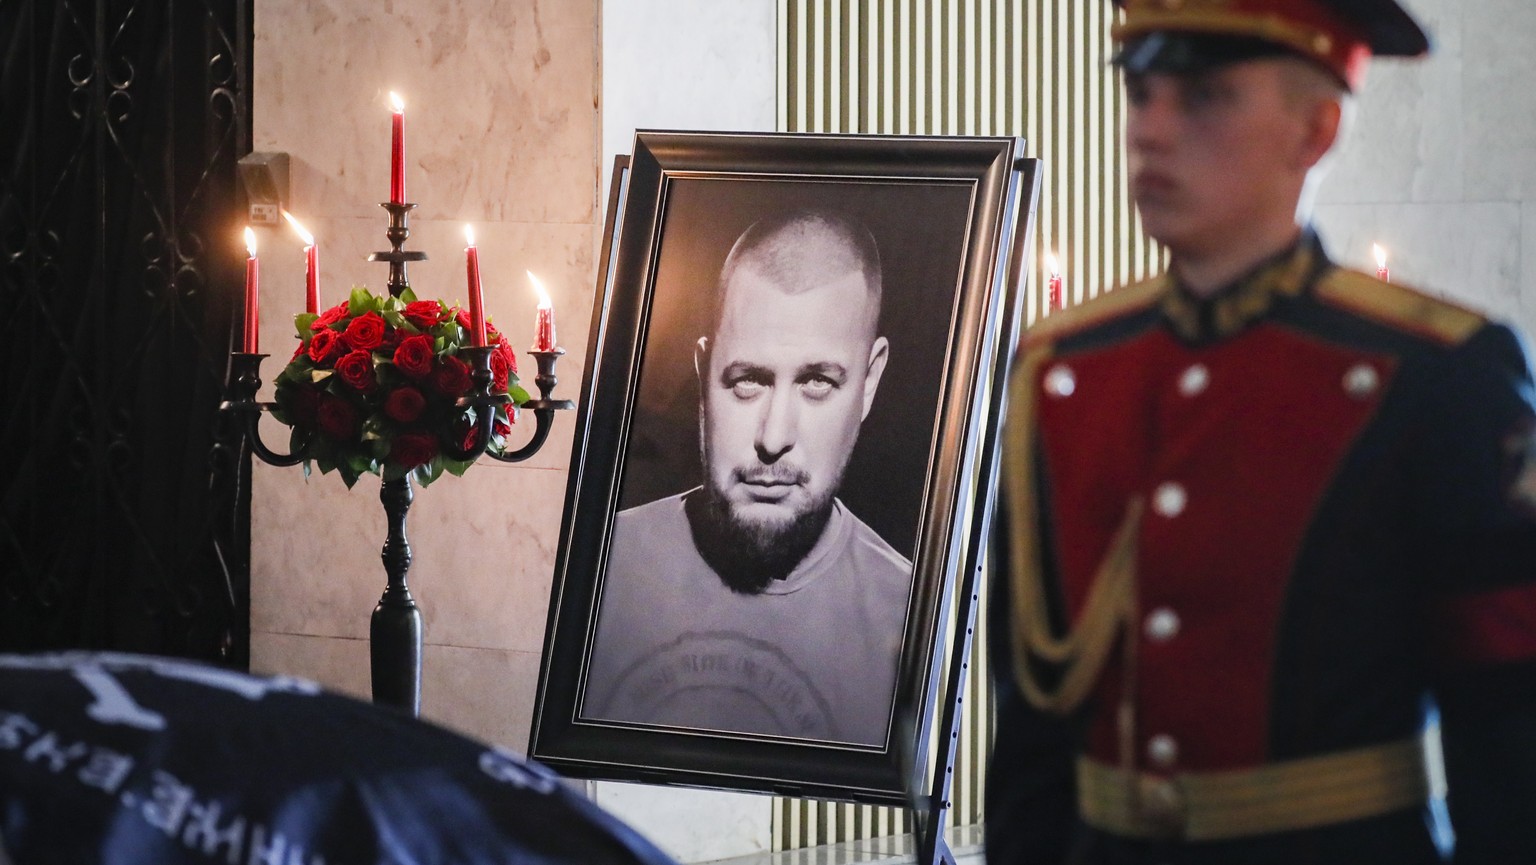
{"points": [[394, 633]]}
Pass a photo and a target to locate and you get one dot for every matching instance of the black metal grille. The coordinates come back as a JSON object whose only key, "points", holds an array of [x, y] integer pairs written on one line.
{"points": [[124, 516]]}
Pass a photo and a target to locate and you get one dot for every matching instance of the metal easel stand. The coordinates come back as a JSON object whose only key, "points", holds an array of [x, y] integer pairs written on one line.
{"points": [[932, 849]]}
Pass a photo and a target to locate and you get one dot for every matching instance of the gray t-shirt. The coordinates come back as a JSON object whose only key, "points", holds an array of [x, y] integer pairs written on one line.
{"points": [[813, 657]]}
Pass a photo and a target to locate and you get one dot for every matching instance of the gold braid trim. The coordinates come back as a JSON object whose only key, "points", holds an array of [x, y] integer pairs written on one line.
{"points": [[1399, 306], [1111, 601]]}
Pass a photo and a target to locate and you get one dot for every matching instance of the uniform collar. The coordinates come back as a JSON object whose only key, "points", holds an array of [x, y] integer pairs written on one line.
{"points": [[1231, 309]]}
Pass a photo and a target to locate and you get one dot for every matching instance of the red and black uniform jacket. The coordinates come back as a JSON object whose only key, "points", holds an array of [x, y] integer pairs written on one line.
{"points": [[1338, 545]]}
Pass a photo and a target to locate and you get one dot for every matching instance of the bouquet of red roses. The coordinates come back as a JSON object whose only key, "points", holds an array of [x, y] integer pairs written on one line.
{"points": [[374, 384]]}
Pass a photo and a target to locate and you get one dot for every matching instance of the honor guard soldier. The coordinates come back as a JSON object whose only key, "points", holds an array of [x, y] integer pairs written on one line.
{"points": [[1267, 523]]}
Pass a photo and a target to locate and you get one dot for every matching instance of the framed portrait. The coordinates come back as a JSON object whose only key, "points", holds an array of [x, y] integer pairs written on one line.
{"points": [[782, 458]]}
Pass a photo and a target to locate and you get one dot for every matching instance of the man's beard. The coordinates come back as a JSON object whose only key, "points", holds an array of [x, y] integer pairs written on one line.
{"points": [[750, 556]]}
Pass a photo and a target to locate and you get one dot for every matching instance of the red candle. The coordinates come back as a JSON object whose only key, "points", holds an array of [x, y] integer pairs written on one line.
{"points": [[1381, 263], [252, 278], [311, 265], [397, 151], [544, 327], [1053, 295], [311, 278], [476, 304]]}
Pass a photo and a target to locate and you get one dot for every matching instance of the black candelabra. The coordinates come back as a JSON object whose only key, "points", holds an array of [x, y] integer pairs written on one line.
{"points": [[395, 629]]}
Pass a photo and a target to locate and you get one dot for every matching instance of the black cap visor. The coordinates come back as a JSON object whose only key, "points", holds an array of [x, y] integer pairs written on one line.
{"points": [[1183, 53]]}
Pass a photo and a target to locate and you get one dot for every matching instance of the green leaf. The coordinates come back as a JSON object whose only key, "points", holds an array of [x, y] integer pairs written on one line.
{"points": [[359, 301], [519, 396], [407, 296], [301, 323]]}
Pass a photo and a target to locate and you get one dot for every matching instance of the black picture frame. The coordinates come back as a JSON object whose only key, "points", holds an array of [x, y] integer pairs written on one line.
{"points": [[949, 216]]}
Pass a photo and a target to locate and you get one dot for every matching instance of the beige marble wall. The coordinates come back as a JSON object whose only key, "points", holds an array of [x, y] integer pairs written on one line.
{"points": [[1441, 167], [502, 131]]}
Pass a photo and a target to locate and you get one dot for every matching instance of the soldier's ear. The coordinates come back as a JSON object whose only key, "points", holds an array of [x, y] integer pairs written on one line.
{"points": [[1324, 121], [879, 353]]}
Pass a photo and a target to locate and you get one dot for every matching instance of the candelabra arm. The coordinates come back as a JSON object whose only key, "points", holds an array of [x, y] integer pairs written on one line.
{"points": [[245, 381], [481, 400], [485, 415], [543, 408], [543, 419]]}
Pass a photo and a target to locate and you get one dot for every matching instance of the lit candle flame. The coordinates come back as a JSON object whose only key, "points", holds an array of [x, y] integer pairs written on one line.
{"points": [[544, 301], [396, 104], [309, 239], [469, 234], [1381, 255], [1052, 265], [250, 241]]}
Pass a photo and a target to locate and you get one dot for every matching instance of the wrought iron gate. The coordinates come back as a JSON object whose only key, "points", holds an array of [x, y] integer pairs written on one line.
{"points": [[124, 516]]}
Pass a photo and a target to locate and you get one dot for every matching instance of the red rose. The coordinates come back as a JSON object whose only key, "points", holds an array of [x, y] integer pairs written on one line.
{"points": [[356, 369], [413, 449], [337, 417], [505, 348], [461, 317], [390, 342], [451, 377], [503, 363], [425, 314], [415, 355], [330, 317], [464, 431], [504, 427], [366, 331], [324, 346], [404, 404]]}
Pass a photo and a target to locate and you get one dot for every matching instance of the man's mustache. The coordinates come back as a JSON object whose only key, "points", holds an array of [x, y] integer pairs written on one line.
{"points": [[777, 473]]}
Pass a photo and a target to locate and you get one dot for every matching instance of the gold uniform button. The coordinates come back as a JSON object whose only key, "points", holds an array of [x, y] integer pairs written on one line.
{"points": [[1060, 381], [1361, 380], [1169, 499], [1194, 380]]}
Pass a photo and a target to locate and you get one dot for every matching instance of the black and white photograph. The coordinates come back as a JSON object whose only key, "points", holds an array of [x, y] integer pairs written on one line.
{"points": [[758, 597], [756, 555]]}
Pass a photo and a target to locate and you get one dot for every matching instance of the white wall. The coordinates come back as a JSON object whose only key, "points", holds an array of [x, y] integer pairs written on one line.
{"points": [[686, 64], [1441, 169], [692, 65]]}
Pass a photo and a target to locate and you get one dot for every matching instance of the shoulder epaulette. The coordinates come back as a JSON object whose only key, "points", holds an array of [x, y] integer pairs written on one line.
{"points": [[1109, 305], [1399, 306]]}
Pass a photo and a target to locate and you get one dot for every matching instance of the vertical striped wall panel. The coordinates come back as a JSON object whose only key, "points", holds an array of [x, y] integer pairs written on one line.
{"points": [[1037, 69]]}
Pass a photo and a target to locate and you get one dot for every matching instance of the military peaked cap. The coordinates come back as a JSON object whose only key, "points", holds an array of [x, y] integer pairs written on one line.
{"points": [[1191, 35]]}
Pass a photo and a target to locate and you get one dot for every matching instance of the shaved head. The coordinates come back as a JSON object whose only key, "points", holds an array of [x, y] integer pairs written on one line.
{"points": [[798, 250]]}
